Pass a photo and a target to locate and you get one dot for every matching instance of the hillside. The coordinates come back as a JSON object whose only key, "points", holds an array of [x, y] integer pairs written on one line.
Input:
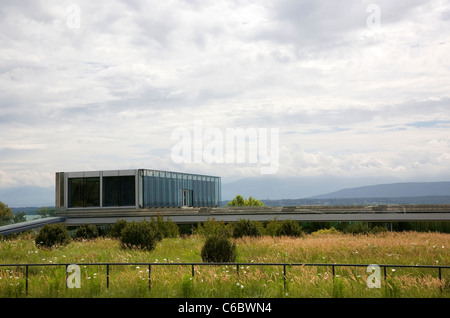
{"points": [[392, 190]]}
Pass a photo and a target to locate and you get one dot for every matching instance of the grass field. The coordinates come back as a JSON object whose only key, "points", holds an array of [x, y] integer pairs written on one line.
{"points": [[408, 248]]}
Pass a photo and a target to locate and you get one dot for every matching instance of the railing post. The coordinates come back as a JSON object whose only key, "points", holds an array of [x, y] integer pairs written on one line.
{"points": [[67, 266], [284, 277], [107, 276], [192, 270], [149, 277], [26, 279]]}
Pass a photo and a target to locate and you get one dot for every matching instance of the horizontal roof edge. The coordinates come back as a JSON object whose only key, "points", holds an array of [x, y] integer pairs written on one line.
{"points": [[130, 171]]}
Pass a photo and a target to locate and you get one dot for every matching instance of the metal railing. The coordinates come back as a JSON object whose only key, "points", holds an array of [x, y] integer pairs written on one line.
{"points": [[333, 267]]}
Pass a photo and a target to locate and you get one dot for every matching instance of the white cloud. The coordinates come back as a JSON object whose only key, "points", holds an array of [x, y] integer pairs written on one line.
{"points": [[347, 99]]}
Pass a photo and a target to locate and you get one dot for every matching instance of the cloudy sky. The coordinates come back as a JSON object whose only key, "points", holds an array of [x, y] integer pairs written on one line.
{"points": [[355, 88]]}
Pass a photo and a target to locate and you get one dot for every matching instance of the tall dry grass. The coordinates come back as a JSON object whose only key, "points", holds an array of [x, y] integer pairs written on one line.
{"points": [[409, 248]]}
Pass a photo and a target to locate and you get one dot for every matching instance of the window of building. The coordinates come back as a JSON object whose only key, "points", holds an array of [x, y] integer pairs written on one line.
{"points": [[119, 191], [84, 192]]}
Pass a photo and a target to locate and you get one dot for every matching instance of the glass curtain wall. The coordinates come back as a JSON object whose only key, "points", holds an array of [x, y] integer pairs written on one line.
{"points": [[119, 191], [172, 189], [155, 189], [84, 192]]}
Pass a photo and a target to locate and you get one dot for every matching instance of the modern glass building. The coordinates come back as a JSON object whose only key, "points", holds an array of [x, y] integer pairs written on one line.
{"points": [[139, 188]]}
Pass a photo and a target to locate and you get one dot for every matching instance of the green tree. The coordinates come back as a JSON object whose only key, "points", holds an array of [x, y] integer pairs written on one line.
{"points": [[19, 217], [46, 212], [240, 201], [6, 214]]}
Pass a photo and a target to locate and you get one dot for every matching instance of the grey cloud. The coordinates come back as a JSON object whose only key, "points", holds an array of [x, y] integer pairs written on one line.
{"points": [[320, 23]]}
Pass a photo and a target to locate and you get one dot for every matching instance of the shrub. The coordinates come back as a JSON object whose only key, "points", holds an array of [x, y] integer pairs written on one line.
{"points": [[51, 235], [86, 231], [247, 228], [164, 228], [331, 230], [357, 228], [213, 227], [116, 229], [272, 227], [289, 228], [378, 229], [139, 235], [218, 249]]}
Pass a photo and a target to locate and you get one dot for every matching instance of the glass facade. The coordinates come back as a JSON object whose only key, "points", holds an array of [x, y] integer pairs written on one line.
{"points": [[137, 188], [119, 191], [84, 192], [174, 189]]}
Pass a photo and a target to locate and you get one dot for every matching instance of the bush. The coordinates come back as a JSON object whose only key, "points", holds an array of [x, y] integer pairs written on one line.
{"points": [[289, 228], [331, 230], [356, 228], [363, 228], [164, 228], [378, 229], [247, 228], [116, 229], [51, 235], [86, 231], [140, 235], [272, 227], [212, 227], [218, 249]]}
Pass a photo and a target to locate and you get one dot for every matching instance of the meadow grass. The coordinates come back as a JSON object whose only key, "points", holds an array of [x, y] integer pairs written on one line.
{"points": [[407, 248]]}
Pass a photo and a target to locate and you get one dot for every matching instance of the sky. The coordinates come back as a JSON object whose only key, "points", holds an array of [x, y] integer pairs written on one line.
{"points": [[344, 88]]}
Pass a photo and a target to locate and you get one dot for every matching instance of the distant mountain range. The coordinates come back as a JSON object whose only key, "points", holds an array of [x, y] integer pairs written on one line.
{"points": [[393, 190], [385, 193], [29, 196]]}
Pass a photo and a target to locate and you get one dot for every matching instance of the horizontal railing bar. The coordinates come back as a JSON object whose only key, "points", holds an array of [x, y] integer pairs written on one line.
{"points": [[226, 264]]}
